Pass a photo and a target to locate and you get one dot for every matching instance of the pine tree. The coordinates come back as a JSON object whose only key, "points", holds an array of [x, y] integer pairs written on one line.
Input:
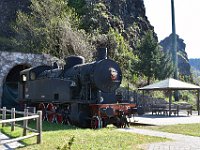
{"points": [[166, 68], [154, 63], [149, 56]]}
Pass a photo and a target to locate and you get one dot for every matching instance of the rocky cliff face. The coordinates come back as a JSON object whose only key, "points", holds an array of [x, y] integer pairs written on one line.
{"points": [[127, 16], [195, 65], [183, 61]]}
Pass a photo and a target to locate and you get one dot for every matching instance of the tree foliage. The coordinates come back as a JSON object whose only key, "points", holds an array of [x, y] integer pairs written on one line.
{"points": [[118, 50], [165, 69], [50, 27], [121, 51], [153, 62], [79, 6]]}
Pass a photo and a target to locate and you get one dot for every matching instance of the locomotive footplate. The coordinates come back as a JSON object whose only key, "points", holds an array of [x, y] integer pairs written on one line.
{"points": [[110, 110]]}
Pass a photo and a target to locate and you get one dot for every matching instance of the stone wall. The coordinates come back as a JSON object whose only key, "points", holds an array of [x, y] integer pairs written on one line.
{"points": [[8, 60]]}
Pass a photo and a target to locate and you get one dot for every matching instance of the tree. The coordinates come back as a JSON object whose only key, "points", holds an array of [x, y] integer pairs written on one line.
{"points": [[166, 67], [50, 27], [149, 55], [79, 6]]}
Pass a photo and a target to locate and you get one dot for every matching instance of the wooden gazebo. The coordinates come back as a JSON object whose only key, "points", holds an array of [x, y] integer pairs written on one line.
{"points": [[173, 85]]}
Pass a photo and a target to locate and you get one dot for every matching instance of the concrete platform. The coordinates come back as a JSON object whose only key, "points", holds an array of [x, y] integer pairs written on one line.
{"points": [[149, 119]]}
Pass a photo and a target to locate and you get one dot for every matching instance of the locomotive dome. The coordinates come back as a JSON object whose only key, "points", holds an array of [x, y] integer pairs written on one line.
{"points": [[101, 53], [73, 60]]}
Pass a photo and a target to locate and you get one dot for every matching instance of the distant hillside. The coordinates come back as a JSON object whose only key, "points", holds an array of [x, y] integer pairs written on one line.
{"points": [[195, 64]]}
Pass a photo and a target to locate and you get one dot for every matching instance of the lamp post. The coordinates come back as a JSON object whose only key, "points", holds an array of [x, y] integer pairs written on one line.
{"points": [[174, 46]]}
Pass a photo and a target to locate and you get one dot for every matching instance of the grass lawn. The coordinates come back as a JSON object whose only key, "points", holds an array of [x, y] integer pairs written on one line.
{"points": [[56, 136], [186, 129]]}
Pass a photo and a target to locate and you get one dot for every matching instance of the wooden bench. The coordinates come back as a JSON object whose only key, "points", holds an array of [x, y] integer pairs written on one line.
{"points": [[157, 109], [187, 107], [163, 109]]}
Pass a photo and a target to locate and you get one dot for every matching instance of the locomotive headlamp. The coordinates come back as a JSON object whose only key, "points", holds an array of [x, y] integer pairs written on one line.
{"points": [[73, 84], [101, 99]]}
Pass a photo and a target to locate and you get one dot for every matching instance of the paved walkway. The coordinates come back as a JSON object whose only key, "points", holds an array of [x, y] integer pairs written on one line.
{"points": [[180, 142], [9, 146]]}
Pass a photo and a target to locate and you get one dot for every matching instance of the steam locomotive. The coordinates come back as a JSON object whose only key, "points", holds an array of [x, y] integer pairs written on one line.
{"points": [[81, 94]]}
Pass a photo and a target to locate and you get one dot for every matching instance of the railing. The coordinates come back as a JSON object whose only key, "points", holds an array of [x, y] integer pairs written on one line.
{"points": [[26, 116]]}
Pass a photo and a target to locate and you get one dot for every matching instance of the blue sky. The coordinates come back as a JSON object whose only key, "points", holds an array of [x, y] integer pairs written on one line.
{"points": [[187, 15]]}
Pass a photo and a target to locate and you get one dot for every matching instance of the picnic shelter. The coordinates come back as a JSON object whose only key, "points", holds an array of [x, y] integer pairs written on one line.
{"points": [[171, 85]]}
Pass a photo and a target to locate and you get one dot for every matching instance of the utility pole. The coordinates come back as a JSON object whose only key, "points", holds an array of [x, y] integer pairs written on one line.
{"points": [[174, 41], [174, 46]]}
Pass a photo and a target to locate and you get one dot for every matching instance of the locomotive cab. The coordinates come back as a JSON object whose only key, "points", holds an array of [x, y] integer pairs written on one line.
{"points": [[26, 76], [40, 84]]}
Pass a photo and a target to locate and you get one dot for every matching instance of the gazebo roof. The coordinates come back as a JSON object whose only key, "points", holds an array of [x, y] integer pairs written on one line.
{"points": [[170, 84]]}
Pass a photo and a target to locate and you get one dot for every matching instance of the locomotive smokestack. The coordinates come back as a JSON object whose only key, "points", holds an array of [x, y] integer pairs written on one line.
{"points": [[101, 53]]}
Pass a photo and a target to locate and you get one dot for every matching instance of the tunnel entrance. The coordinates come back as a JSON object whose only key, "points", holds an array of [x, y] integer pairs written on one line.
{"points": [[10, 86]]}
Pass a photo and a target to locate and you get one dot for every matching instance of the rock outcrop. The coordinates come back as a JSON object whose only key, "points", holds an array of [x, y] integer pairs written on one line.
{"points": [[127, 16], [183, 61]]}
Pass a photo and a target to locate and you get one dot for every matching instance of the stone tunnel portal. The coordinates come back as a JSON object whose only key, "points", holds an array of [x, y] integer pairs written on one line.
{"points": [[10, 86]]}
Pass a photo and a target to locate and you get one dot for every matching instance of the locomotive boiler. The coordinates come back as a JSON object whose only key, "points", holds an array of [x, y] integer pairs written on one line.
{"points": [[82, 94]]}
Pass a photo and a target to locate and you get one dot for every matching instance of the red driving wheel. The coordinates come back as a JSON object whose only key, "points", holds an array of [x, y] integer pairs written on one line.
{"points": [[50, 112], [41, 107], [94, 123], [59, 118]]}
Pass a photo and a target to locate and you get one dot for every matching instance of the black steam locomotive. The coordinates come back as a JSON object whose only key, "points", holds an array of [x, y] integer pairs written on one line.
{"points": [[82, 94]]}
